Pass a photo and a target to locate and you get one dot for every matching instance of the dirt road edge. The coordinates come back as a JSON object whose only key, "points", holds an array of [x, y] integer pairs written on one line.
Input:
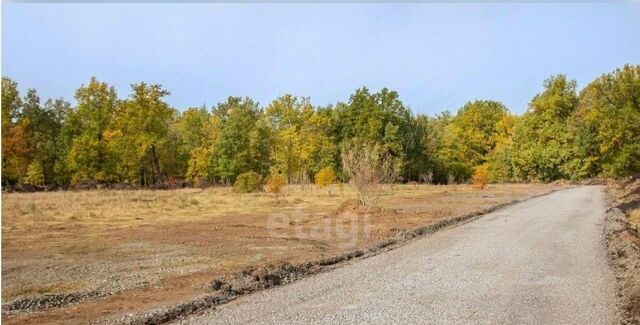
{"points": [[623, 248]]}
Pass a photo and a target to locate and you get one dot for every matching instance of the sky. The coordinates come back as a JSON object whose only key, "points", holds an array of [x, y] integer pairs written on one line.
{"points": [[437, 56]]}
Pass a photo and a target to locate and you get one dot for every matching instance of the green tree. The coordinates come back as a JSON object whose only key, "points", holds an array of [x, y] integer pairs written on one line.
{"points": [[42, 125], [194, 126], [243, 142], [50, 151], [139, 135], [88, 157], [609, 138], [191, 130], [541, 143], [472, 135], [301, 140], [31, 120], [433, 141], [380, 119]]}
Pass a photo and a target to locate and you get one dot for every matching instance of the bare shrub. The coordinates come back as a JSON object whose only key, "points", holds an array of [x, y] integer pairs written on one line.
{"points": [[451, 179], [304, 181], [367, 168], [427, 177]]}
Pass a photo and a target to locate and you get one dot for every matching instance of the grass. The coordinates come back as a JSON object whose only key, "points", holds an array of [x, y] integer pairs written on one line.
{"points": [[125, 208]]}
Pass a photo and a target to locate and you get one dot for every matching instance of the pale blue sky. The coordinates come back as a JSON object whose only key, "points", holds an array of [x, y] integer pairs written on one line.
{"points": [[437, 56]]}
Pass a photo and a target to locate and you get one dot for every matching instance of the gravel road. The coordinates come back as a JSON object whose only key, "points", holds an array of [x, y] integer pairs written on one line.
{"points": [[541, 261]]}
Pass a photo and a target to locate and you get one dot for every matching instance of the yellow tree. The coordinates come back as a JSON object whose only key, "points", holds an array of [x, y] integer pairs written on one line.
{"points": [[285, 115], [302, 144], [499, 166], [472, 135]]}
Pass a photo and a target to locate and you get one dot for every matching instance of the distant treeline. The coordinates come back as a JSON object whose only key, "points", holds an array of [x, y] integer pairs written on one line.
{"points": [[142, 140]]}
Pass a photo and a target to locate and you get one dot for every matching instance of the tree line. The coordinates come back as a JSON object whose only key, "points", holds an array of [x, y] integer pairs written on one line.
{"points": [[141, 140]]}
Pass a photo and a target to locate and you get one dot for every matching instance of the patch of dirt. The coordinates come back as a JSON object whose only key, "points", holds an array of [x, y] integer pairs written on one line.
{"points": [[355, 208], [623, 244], [349, 206]]}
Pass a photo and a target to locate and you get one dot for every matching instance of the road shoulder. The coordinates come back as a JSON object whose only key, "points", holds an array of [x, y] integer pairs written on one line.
{"points": [[623, 246]]}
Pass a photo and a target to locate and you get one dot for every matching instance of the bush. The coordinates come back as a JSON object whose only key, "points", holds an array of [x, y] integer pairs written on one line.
{"points": [[248, 182], [480, 177], [427, 177], [367, 168], [325, 177], [275, 182]]}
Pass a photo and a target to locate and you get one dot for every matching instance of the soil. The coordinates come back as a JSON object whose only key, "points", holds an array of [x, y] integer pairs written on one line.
{"points": [[623, 243]]}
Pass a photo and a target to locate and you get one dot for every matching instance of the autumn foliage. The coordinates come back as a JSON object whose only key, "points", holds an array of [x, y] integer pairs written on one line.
{"points": [[566, 132], [479, 177], [325, 177], [275, 182]]}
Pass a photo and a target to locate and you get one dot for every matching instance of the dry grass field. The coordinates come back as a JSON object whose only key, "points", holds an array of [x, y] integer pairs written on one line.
{"points": [[144, 249]]}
